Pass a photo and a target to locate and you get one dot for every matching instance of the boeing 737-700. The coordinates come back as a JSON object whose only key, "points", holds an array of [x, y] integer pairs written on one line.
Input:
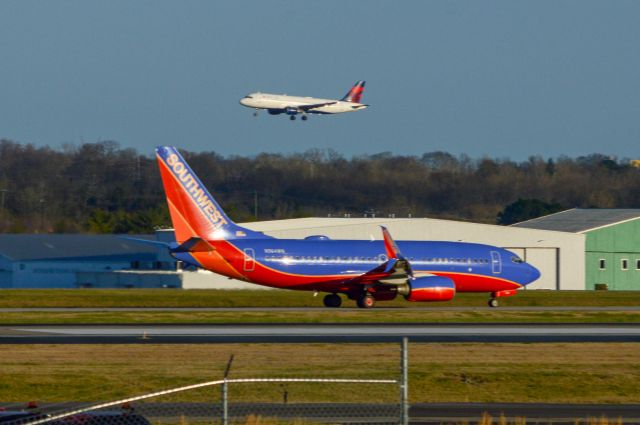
{"points": [[277, 104], [362, 270]]}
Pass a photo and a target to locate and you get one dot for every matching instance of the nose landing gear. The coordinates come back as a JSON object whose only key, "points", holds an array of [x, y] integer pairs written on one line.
{"points": [[493, 302]]}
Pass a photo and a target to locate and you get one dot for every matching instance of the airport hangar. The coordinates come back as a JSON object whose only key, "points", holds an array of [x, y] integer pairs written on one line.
{"points": [[612, 246], [106, 261]]}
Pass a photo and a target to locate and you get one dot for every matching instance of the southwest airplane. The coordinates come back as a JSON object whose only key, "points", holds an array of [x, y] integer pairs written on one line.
{"points": [[277, 104], [364, 271]]}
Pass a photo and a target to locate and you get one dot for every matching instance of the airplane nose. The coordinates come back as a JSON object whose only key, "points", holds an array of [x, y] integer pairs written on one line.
{"points": [[534, 274]]}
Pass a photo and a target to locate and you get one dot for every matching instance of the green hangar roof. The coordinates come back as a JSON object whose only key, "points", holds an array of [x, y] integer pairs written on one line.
{"points": [[581, 220]]}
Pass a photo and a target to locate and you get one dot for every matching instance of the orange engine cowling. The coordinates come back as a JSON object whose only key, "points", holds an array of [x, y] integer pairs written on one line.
{"points": [[429, 288]]}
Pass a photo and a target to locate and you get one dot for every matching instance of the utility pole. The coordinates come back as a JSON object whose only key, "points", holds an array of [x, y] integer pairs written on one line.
{"points": [[42, 202], [255, 204]]}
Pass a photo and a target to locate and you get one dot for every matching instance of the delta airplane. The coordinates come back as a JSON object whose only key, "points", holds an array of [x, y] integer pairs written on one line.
{"points": [[277, 104], [362, 270]]}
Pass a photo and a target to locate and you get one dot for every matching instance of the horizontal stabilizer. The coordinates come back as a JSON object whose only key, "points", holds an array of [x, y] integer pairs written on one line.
{"points": [[157, 244], [194, 244]]}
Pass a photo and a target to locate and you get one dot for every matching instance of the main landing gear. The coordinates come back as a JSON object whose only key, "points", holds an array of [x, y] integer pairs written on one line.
{"points": [[332, 300], [366, 300], [292, 117], [493, 302]]}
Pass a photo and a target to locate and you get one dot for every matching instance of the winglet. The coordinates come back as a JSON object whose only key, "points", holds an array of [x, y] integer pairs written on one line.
{"points": [[390, 245]]}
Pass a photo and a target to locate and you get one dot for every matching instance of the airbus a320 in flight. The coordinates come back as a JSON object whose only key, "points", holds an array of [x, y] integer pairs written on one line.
{"points": [[362, 270], [277, 104]]}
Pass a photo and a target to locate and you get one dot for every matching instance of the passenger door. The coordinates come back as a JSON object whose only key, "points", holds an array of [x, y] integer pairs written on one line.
{"points": [[249, 260], [496, 262]]}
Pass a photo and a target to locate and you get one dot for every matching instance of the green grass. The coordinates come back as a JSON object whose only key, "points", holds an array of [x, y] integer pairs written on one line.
{"points": [[402, 312], [463, 372], [26, 298]]}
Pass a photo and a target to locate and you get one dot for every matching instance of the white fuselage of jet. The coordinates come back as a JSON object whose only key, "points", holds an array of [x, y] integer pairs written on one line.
{"points": [[299, 104]]}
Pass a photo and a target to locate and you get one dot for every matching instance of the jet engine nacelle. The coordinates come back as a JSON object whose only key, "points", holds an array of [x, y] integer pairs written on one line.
{"points": [[429, 288], [274, 111]]}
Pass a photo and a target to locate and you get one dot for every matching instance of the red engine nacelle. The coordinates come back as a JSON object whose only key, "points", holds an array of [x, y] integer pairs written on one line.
{"points": [[429, 288]]}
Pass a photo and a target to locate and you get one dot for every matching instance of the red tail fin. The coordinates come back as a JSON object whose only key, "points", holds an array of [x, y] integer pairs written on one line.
{"points": [[355, 94]]}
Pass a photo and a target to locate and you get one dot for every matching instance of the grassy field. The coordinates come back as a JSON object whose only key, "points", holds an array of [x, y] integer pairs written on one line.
{"points": [[26, 298], [572, 373]]}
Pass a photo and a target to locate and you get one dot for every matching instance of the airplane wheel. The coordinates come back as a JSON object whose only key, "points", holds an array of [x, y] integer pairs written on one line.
{"points": [[304, 118], [292, 117], [493, 302], [255, 114], [332, 300], [366, 301]]}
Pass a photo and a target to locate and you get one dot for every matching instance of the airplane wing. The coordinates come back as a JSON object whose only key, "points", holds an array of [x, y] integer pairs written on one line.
{"points": [[396, 270], [306, 108]]}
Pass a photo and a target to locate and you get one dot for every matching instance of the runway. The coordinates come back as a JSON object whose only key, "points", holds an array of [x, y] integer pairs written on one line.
{"points": [[285, 333]]}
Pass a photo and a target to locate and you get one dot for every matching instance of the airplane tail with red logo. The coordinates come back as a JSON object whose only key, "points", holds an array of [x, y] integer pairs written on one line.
{"points": [[355, 94], [194, 212]]}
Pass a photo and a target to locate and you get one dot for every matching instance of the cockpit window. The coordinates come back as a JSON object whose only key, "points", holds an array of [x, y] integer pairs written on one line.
{"points": [[516, 259], [248, 97]]}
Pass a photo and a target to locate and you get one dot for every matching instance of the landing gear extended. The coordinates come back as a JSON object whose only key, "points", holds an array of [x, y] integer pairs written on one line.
{"points": [[366, 300], [493, 301], [332, 300]]}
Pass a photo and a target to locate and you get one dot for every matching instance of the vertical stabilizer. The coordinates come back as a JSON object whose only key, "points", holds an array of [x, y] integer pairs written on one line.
{"points": [[194, 212], [355, 94]]}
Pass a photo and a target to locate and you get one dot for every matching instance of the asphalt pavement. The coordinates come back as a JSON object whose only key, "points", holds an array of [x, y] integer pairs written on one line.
{"points": [[284, 333]]}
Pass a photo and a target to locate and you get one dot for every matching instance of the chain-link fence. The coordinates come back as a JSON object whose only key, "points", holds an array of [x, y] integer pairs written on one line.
{"points": [[232, 401]]}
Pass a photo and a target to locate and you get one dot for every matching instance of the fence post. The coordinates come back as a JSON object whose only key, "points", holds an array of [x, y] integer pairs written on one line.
{"points": [[225, 406], [225, 392], [404, 382]]}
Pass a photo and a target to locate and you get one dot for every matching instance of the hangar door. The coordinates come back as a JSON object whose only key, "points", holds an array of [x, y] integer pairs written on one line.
{"points": [[545, 260]]}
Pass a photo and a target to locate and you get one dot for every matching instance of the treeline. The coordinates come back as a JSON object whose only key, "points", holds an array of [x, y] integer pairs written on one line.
{"points": [[103, 188]]}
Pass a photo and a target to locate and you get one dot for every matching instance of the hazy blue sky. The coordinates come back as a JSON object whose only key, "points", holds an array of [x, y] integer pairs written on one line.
{"points": [[498, 78]]}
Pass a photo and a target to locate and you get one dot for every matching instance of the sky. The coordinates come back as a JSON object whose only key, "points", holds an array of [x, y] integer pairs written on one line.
{"points": [[504, 79]]}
